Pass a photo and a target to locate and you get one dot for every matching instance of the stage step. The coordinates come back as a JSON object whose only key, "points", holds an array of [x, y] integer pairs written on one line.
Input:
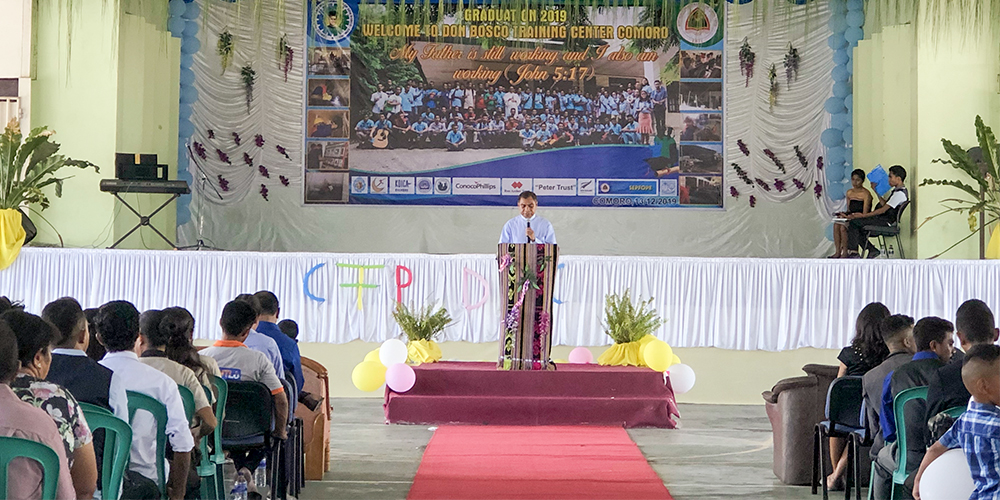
{"points": [[518, 410], [478, 393]]}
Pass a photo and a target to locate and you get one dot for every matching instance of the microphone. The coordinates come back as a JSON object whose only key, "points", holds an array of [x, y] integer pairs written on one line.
{"points": [[529, 227]]}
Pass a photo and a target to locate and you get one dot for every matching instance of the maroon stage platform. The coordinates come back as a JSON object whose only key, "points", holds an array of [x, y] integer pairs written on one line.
{"points": [[451, 392]]}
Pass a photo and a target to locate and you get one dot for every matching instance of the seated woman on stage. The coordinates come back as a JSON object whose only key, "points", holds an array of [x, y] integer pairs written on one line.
{"points": [[866, 351], [859, 200]]}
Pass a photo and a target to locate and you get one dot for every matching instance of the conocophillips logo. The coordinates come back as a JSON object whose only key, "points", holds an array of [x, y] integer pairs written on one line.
{"points": [[476, 186]]}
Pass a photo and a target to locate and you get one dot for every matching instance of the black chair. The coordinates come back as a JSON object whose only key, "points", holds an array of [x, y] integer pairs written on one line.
{"points": [[287, 466], [859, 440], [881, 232], [249, 422], [843, 418]]}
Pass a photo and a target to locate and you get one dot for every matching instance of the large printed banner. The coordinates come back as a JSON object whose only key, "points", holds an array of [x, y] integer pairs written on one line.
{"points": [[471, 106]]}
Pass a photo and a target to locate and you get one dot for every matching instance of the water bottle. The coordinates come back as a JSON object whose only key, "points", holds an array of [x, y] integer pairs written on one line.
{"points": [[260, 475], [239, 489], [890, 253]]}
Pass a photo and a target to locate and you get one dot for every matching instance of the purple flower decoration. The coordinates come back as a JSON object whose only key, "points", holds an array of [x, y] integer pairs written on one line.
{"points": [[258, 140], [512, 318], [223, 157], [236, 138], [199, 149], [211, 134], [799, 184], [542, 326], [818, 190], [223, 183], [263, 192], [248, 160], [263, 171], [283, 179], [819, 163], [802, 158], [753, 201], [743, 147], [774, 158], [779, 185], [733, 192], [282, 151], [763, 185]]}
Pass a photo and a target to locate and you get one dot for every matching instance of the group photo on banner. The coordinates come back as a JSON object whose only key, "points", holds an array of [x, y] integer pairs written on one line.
{"points": [[609, 107]]}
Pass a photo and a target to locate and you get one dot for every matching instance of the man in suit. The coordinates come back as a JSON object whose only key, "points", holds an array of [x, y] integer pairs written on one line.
{"points": [[897, 332], [975, 325], [935, 342]]}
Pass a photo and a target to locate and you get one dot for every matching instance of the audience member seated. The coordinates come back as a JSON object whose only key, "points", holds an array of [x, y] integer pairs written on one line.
{"points": [[177, 326], [267, 324], [153, 345], [290, 328], [260, 342], [118, 330], [85, 378], [977, 431], [21, 420], [974, 324], [934, 339], [95, 350], [866, 351], [34, 343], [859, 201], [897, 333], [238, 362]]}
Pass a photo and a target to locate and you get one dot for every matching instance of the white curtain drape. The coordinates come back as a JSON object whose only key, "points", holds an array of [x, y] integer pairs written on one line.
{"points": [[744, 304]]}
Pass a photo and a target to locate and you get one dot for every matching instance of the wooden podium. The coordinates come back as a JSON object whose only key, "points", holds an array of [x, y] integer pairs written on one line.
{"points": [[527, 279]]}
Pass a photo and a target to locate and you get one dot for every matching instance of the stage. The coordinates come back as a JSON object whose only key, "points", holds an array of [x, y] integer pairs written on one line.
{"points": [[478, 393]]}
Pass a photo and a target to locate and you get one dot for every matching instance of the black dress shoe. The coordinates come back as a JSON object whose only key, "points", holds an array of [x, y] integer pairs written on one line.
{"points": [[873, 253]]}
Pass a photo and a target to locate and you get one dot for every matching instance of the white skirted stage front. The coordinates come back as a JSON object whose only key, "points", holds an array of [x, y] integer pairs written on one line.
{"points": [[744, 304]]}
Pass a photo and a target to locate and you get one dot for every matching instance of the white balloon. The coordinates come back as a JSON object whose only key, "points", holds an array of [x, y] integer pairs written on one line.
{"points": [[392, 351], [681, 378], [947, 478]]}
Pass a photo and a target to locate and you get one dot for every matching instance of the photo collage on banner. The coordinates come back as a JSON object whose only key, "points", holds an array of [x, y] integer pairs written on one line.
{"points": [[587, 107], [328, 102]]}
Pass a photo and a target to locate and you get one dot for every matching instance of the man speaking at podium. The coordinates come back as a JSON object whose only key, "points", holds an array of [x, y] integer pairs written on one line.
{"points": [[528, 227]]}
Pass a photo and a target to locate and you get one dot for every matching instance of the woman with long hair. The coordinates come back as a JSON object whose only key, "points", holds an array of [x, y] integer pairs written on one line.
{"points": [[645, 112], [177, 324], [866, 351]]}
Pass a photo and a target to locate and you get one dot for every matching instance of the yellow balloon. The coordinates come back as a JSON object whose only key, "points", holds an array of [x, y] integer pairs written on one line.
{"points": [[368, 375], [675, 361], [372, 356], [657, 355], [645, 340]]}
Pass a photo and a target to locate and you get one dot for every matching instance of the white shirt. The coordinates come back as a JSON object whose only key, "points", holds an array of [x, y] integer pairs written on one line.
{"points": [[515, 230], [116, 391], [147, 380], [898, 196]]}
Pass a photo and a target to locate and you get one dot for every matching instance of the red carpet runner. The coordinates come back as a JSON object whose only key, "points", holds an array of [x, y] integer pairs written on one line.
{"points": [[558, 462]]}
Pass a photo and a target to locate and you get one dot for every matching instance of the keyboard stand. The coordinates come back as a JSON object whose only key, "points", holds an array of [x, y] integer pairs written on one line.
{"points": [[144, 220]]}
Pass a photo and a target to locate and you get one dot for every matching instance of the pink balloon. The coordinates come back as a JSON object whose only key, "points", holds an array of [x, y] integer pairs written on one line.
{"points": [[400, 377], [581, 356]]}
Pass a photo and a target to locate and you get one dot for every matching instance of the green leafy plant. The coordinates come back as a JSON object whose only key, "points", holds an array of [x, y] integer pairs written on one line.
{"points": [[628, 322], [225, 48], [984, 195], [249, 77], [28, 166], [421, 324]]}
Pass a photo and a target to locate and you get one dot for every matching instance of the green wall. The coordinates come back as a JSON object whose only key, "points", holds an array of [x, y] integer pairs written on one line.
{"points": [[914, 86], [116, 91]]}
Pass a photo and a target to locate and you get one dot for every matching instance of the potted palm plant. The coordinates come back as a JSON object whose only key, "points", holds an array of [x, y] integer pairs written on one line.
{"points": [[630, 325], [421, 326], [980, 200], [27, 164]]}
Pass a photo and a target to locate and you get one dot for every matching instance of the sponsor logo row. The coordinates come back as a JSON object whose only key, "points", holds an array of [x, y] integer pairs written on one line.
{"points": [[484, 186]]}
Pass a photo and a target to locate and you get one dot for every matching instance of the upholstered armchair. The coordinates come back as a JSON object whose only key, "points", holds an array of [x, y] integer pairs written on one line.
{"points": [[794, 406]]}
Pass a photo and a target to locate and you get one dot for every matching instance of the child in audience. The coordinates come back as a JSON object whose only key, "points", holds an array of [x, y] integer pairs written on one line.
{"points": [[977, 431], [290, 328]]}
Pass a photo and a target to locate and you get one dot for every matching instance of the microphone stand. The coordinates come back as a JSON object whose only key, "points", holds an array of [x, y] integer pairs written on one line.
{"points": [[203, 178]]}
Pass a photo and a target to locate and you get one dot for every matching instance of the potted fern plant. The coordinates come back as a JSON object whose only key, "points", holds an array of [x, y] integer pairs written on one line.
{"points": [[27, 164], [630, 325], [421, 326], [982, 199]]}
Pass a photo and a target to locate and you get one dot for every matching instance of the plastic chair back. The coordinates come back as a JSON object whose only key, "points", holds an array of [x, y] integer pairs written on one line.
{"points": [[222, 398], [12, 447], [898, 405], [139, 401], [955, 411], [843, 403], [117, 447], [249, 414], [188, 399], [902, 208]]}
